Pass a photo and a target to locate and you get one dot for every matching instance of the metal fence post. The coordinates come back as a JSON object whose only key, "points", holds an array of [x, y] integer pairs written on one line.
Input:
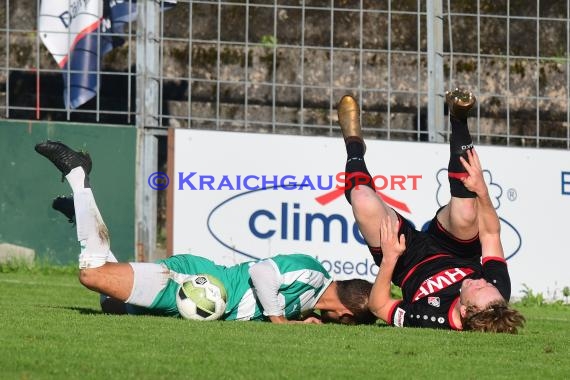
{"points": [[436, 118], [147, 110]]}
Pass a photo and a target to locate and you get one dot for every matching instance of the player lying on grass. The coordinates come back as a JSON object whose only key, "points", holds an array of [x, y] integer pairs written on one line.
{"points": [[452, 276], [284, 288]]}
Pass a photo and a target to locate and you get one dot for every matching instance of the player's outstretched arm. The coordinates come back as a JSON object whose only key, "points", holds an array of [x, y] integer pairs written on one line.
{"points": [[488, 221], [266, 283], [489, 229], [392, 246], [265, 280], [474, 181]]}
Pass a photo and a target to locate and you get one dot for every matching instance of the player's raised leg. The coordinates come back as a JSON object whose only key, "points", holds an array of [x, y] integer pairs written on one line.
{"points": [[113, 279], [459, 217], [367, 206], [65, 205]]}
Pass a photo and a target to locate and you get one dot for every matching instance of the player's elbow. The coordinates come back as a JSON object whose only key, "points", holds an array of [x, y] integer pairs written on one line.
{"points": [[376, 312], [373, 305], [377, 306]]}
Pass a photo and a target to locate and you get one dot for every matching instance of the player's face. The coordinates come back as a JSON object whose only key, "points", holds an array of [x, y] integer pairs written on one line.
{"points": [[479, 293], [335, 317]]}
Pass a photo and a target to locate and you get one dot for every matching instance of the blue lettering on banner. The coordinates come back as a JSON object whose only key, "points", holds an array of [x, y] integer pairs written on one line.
{"points": [[246, 182], [326, 221], [312, 222], [326, 187], [185, 180], [225, 182], [207, 180], [268, 184], [253, 227], [286, 184], [253, 182], [306, 183], [366, 267], [565, 183]]}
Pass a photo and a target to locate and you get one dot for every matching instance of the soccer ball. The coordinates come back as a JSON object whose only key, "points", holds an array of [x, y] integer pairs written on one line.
{"points": [[201, 297]]}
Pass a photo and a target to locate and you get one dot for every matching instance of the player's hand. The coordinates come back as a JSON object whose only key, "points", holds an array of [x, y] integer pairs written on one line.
{"points": [[392, 245], [281, 320], [474, 181], [313, 320]]}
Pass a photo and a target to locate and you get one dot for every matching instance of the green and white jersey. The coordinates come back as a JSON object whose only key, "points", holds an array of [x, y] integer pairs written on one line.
{"points": [[302, 280]]}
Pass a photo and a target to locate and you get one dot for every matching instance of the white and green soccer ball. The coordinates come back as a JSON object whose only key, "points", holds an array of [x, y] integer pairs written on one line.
{"points": [[201, 297]]}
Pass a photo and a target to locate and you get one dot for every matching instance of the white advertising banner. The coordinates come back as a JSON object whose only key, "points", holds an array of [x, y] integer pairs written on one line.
{"points": [[241, 196]]}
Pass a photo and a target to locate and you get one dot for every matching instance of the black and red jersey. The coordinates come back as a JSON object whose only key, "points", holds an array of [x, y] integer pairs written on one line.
{"points": [[431, 290], [430, 273]]}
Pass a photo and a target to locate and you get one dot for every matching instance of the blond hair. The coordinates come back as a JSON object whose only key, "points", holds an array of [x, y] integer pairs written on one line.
{"points": [[498, 317]]}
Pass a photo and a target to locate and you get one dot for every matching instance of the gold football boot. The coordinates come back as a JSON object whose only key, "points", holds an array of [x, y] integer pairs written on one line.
{"points": [[349, 117], [460, 102]]}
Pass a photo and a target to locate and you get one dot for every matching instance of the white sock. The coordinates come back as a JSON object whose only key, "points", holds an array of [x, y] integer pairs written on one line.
{"points": [[111, 258], [92, 233]]}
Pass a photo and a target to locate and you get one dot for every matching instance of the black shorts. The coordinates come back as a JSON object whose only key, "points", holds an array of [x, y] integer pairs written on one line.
{"points": [[423, 246]]}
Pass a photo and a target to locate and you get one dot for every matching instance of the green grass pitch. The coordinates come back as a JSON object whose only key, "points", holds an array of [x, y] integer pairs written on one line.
{"points": [[51, 328]]}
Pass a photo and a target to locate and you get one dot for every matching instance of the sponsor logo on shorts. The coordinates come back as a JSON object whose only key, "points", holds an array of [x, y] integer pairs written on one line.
{"points": [[399, 317]]}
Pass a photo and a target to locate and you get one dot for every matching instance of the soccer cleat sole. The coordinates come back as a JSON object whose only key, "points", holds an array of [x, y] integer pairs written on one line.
{"points": [[63, 157]]}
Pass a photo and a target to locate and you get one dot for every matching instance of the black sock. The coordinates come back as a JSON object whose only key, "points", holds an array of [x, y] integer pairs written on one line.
{"points": [[354, 147], [459, 143], [377, 255], [356, 172]]}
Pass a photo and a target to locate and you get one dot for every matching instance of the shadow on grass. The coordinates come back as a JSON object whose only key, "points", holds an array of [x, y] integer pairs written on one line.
{"points": [[81, 310], [383, 325], [84, 310]]}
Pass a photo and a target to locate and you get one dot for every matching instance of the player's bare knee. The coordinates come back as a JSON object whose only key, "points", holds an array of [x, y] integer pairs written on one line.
{"points": [[466, 214], [89, 277], [367, 205], [470, 219], [459, 216], [362, 196]]}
